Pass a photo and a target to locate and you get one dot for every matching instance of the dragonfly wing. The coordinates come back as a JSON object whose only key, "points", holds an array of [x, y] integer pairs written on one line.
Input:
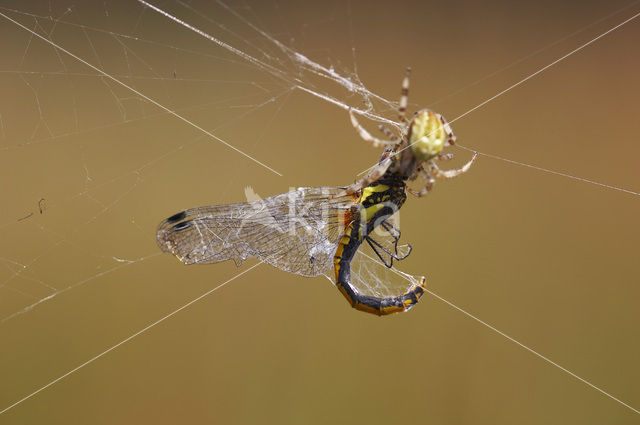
{"points": [[372, 267], [371, 277], [297, 231]]}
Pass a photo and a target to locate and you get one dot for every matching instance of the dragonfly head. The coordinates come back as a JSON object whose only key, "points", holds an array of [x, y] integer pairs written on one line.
{"points": [[429, 133]]}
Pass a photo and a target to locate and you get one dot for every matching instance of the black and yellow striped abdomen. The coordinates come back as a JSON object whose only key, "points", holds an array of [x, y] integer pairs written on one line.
{"points": [[379, 201]]}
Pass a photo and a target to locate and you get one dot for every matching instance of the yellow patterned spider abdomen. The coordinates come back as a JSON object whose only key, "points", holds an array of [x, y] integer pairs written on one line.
{"points": [[428, 134]]}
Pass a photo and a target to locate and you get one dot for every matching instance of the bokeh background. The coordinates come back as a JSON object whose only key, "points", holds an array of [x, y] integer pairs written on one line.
{"points": [[550, 261]]}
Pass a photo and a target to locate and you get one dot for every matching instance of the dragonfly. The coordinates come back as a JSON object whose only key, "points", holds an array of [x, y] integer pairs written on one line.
{"points": [[307, 231]]}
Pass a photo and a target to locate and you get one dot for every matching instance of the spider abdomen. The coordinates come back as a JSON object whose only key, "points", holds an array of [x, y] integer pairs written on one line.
{"points": [[428, 135]]}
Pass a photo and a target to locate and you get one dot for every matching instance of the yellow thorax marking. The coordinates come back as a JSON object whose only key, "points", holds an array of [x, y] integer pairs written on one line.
{"points": [[373, 191]]}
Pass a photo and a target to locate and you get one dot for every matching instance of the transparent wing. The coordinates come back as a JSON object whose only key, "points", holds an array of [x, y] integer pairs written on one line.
{"points": [[372, 270], [297, 231], [372, 277]]}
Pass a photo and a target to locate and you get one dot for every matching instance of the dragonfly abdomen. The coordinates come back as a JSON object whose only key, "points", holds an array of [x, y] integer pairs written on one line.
{"points": [[379, 201]]}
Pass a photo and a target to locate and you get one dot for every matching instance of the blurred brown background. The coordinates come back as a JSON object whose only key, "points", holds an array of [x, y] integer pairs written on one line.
{"points": [[546, 259]]}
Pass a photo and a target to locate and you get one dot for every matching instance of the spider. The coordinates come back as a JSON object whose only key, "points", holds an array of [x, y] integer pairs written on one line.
{"points": [[327, 225], [412, 154]]}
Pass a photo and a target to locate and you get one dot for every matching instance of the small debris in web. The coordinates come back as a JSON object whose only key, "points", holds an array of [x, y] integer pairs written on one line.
{"points": [[42, 205], [122, 260], [25, 217]]}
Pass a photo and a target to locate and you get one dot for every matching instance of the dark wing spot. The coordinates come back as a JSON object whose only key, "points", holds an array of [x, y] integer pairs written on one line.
{"points": [[177, 217], [181, 226]]}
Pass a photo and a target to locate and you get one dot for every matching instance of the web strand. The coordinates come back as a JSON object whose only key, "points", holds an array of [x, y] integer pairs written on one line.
{"points": [[546, 170], [536, 52], [302, 61], [159, 105], [129, 338], [272, 71], [544, 68], [527, 78], [515, 341]]}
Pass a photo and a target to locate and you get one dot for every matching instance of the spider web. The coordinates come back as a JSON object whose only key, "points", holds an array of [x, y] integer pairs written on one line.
{"points": [[171, 118]]}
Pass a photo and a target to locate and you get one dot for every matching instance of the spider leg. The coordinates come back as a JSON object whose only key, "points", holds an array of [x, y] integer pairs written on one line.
{"points": [[429, 182], [390, 134], [445, 156], [447, 174], [365, 135], [377, 172], [404, 98]]}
